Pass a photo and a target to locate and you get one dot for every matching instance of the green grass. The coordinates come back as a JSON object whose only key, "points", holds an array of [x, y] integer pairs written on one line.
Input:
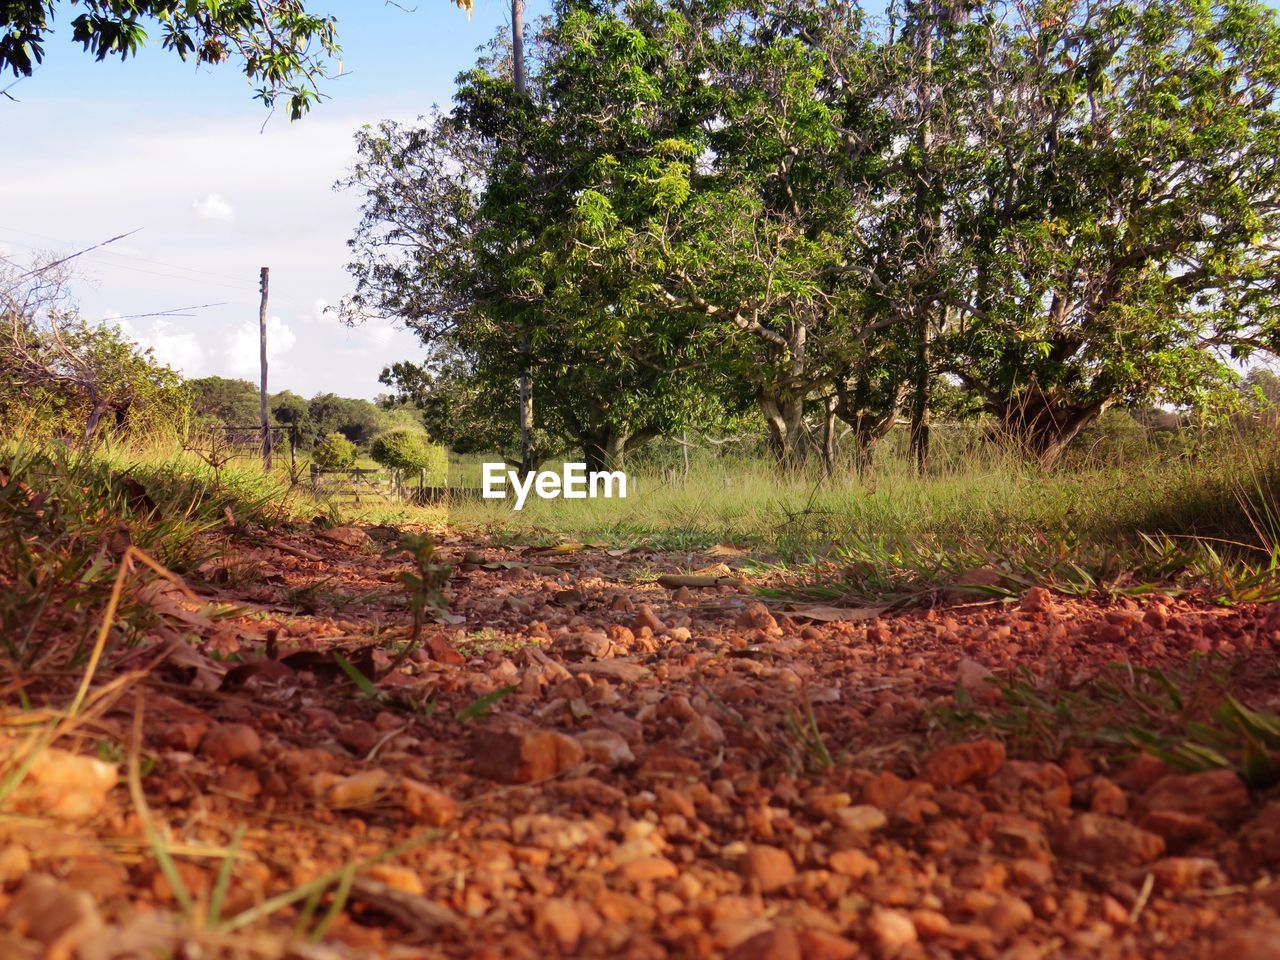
{"points": [[1209, 519], [65, 518]]}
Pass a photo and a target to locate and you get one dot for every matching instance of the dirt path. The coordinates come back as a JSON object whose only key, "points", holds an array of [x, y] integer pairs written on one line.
{"points": [[591, 764]]}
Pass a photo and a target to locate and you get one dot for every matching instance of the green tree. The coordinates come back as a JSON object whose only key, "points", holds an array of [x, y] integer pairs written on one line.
{"points": [[280, 46], [1121, 230], [410, 451], [357, 420], [475, 225], [334, 452], [229, 401]]}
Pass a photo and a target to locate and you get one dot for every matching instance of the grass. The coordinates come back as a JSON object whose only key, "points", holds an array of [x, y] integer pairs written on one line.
{"points": [[1208, 519], [66, 518], [1188, 717]]}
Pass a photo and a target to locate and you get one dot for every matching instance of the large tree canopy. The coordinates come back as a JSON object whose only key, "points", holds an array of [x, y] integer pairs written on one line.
{"points": [[1056, 205]]}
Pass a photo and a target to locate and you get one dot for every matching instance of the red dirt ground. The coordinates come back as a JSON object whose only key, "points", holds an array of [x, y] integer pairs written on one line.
{"points": [[650, 788]]}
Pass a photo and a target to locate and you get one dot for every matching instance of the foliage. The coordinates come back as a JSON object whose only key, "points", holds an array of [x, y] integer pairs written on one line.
{"points": [[61, 376], [409, 450], [1035, 212], [65, 518], [334, 452], [1187, 718], [278, 43]]}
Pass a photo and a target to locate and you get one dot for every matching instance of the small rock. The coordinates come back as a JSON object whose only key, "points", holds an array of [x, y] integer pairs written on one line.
{"points": [[63, 921], [1046, 779], [524, 755], [756, 616], [15, 862], [65, 785], [1215, 794], [1037, 600], [347, 536], [648, 868], [358, 736], [767, 868], [962, 762], [427, 804], [645, 617], [1260, 837], [1258, 942], [976, 681], [230, 742], [606, 747], [1107, 799], [558, 919], [817, 945], [852, 863], [397, 878], [623, 671], [704, 731], [359, 789], [1180, 828], [778, 943], [1187, 873], [1102, 841], [860, 818], [892, 930]]}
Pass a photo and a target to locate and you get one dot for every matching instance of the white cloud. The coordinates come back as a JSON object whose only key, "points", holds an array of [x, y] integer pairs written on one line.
{"points": [[173, 347], [242, 354], [212, 207], [286, 216], [5, 249]]}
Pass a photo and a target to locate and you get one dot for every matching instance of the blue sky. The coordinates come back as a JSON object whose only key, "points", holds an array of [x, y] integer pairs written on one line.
{"points": [[182, 156]]}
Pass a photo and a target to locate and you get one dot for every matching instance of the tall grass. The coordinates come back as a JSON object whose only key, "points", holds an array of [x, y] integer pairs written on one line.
{"points": [[67, 516], [980, 506]]}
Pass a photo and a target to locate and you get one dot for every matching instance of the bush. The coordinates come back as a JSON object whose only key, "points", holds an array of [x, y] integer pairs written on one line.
{"points": [[334, 452], [410, 450]]}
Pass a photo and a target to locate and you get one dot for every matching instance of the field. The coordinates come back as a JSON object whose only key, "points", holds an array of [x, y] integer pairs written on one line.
{"points": [[936, 343], [884, 643]]}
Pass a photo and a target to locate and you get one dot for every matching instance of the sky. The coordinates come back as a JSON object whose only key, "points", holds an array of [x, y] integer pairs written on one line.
{"points": [[216, 187]]}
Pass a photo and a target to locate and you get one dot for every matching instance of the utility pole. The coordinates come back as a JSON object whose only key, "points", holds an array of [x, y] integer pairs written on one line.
{"points": [[526, 378], [263, 282]]}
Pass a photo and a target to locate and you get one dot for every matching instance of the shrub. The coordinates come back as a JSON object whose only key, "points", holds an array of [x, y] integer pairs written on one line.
{"points": [[410, 450], [334, 452]]}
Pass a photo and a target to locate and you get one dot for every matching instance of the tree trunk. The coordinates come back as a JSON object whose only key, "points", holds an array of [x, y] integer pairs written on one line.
{"points": [[830, 446], [604, 449], [870, 423], [784, 418], [926, 224], [1040, 425], [527, 464]]}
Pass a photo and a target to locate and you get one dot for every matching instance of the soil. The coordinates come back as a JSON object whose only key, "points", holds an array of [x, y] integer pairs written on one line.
{"points": [[581, 761]]}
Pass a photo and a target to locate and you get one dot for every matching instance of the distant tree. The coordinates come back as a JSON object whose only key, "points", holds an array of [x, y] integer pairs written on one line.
{"points": [[228, 401], [1262, 386], [357, 420], [410, 451], [280, 45], [291, 410], [334, 452]]}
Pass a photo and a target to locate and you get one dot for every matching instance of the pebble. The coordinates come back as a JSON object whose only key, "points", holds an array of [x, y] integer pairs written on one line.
{"points": [[231, 742], [767, 868]]}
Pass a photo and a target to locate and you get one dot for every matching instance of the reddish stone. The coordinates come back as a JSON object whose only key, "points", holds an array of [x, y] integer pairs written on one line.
{"points": [[523, 755], [1104, 841], [962, 762], [1214, 794]]}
